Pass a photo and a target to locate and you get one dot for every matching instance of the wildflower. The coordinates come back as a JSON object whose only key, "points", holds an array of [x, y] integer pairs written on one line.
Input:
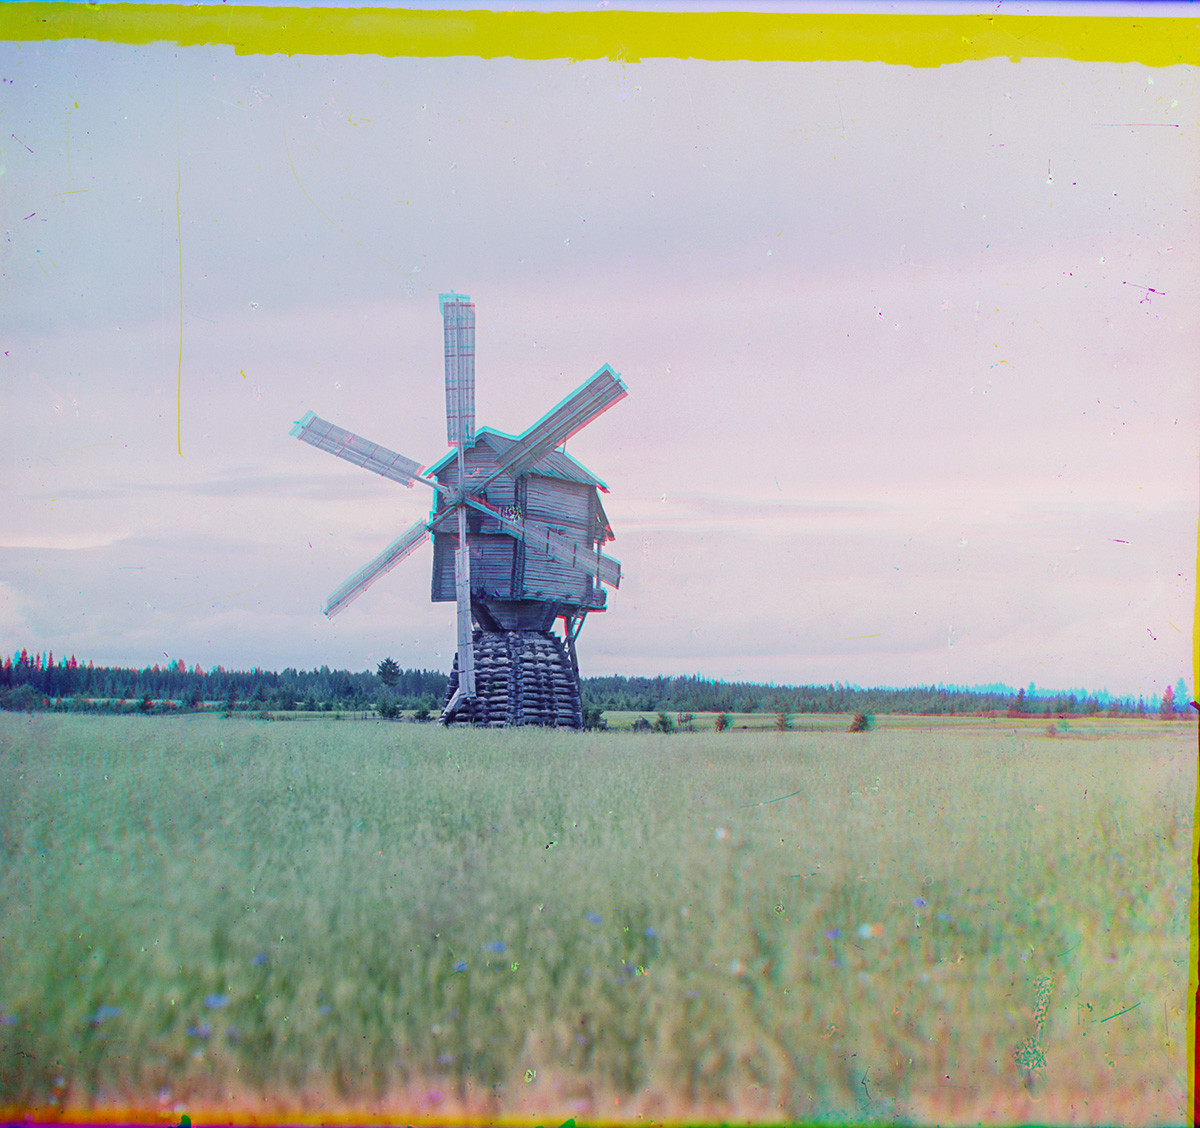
{"points": [[833, 934], [445, 1059], [722, 834], [102, 1013], [461, 965], [325, 1009], [593, 918], [429, 1098], [920, 902], [651, 934], [260, 959], [496, 946], [870, 931], [216, 1002], [202, 1030]]}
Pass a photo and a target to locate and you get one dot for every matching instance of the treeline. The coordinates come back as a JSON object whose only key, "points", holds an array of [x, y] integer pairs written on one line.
{"points": [[32, 681], [38, 681], [702, 695]]}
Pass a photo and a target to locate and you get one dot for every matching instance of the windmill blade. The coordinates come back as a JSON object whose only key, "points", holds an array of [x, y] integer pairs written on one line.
{"points": [[572, 553], [458, 320], [592, 398], [322, 434], [406, 543]]}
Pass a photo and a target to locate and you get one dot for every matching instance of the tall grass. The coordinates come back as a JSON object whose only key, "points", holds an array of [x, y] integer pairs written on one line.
{"points": [[787, 926]]}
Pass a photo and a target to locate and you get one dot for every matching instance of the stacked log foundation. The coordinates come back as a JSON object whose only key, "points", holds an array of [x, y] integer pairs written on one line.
{"points": [[521, 678]]}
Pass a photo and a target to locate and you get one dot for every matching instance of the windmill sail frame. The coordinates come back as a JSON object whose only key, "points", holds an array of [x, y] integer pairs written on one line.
{"points": [[555, 569]]}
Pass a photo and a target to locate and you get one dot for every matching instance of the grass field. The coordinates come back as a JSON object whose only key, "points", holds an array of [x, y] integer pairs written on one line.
{"points": [[921, 923]]}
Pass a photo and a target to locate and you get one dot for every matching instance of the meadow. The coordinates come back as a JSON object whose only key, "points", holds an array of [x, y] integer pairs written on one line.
{"points": [[934, 923]]}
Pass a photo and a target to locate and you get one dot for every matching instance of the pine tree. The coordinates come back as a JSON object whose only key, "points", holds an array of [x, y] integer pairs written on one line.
{"points": [[1166, 707]]}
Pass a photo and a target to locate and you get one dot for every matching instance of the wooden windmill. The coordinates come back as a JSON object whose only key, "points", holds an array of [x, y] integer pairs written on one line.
{"points": [[517, 530]]}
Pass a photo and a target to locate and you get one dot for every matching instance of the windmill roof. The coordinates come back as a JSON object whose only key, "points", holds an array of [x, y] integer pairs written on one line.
{"points": [[556, 464]]}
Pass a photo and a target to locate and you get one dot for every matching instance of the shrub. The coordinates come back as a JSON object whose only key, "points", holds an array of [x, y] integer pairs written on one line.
{"points": [[663, 723], [783, 722], [862, 722], [389, 709], [21, 698], [722, 722]]}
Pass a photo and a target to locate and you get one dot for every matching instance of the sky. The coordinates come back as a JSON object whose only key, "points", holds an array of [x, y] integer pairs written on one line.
{"points": [[911, 353]]}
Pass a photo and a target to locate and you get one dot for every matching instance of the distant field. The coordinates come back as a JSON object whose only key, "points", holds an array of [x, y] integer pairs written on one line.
{"points": [[938, 922]]}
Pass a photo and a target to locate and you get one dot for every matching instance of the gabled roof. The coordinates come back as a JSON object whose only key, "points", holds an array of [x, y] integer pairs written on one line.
{"points": [[556, 464]]}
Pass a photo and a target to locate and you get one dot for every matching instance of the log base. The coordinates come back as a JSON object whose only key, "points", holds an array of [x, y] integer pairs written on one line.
{"points": [[521, 678]]}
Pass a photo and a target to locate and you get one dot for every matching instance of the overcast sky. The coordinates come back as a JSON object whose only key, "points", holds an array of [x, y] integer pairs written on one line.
{"points": [[911, 353]]}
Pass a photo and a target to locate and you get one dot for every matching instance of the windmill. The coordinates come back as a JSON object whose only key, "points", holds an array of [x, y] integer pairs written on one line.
{"points": [[517, 529]]}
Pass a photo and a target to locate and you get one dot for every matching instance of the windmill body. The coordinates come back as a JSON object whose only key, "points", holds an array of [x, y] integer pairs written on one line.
{"points": [[530, 519]]}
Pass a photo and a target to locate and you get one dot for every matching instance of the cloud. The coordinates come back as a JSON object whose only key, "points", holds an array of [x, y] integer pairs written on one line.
{"points": [[910, 352]]}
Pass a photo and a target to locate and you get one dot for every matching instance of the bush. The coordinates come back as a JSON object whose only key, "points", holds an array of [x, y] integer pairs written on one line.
{"points": [[388, 709], [783, 722], [21, 698], [593, 717], [663, 723], [722, 722], [640, 725], [863, 722]]}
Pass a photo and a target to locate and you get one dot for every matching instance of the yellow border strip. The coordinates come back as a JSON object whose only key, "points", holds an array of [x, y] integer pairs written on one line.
{"points": [[909, 40]]}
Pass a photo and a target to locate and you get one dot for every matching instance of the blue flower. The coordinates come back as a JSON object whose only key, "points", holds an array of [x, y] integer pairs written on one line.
{"points": [[594, 918], [920, 902], [216, 1002], [203, 1030], [104, 1012], [496, 946], [833, 934], [651, 934], [260, 959], [461, 965], [326, 1009], [946, 918]]}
